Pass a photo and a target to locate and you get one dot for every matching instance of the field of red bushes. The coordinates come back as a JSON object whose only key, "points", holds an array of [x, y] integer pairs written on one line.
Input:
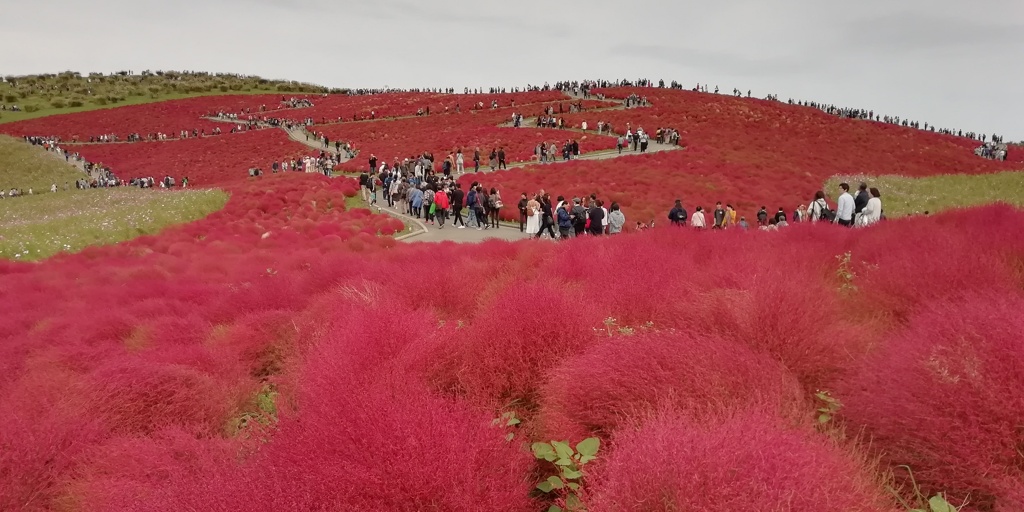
{"points": [[349, 108], [286, 353], [205, 161], [404, 138], [169, 117]]}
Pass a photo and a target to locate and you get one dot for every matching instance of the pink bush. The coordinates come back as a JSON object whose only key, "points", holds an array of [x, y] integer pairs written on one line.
{"points": [[946, 397], [496, 361], [625, 378], [745, 462]]}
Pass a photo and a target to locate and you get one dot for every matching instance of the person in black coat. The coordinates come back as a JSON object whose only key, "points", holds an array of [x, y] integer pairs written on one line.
{"points": [[596, 219], [677, 215], [861, 200]]}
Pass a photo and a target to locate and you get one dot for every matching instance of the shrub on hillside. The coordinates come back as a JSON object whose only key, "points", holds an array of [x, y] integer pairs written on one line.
{"points": [[626, 378], [946, 398], [745, 462], [364, 437], [495, 360]]}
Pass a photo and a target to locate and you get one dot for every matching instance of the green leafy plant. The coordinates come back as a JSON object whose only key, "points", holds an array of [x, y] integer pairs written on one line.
{"points": [[566, 484], [830, 406], [920, 503], [845, 272], [507, 420]]}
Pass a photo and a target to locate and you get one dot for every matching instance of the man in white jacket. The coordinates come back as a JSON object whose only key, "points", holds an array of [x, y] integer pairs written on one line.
{"points": [[845, 206]]}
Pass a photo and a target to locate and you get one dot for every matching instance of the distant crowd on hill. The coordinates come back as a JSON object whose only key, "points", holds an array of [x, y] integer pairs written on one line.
{"points": [[584, 88]]}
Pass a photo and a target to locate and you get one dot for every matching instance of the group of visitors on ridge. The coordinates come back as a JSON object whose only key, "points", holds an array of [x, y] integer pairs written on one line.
{"points": [[863, 210]]}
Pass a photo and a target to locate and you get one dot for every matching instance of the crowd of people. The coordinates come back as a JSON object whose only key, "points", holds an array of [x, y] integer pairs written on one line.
{"points": [[992, 151], [860, 210]]}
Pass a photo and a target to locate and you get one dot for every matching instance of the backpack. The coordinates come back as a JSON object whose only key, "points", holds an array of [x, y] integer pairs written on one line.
{"points": [[827, 214]]}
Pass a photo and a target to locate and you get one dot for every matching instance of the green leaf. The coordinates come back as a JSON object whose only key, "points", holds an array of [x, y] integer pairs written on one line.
{"points": [[939, 504], [823, 418], [572, 502], [555, 482], [545, 486], [512, 422], [554, 508], [509, 437], [564, 462], [563, 450], [575, 486], [543, 451], [588, 446], [571, 474], [586, 458]]}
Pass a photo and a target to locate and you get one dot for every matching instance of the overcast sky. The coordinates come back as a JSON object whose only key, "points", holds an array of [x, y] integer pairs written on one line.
{"points": [[953, 63]]}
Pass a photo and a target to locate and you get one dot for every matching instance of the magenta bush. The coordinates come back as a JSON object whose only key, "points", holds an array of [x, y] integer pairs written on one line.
{"points": [[743, 462], [946, 398], [625, 378]]}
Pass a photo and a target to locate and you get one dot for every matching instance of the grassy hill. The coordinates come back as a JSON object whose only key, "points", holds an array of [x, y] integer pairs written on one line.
{"points": [[42, 95], [24, 166], [39, 226]]}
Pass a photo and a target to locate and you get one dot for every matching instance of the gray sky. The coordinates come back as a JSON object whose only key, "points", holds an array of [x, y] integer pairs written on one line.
{"points": [[953, 63]]}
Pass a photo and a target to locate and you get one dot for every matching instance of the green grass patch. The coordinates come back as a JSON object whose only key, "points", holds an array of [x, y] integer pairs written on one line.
{"points": [[39, 226], [24, 166], [68, 92], [903, 196]]}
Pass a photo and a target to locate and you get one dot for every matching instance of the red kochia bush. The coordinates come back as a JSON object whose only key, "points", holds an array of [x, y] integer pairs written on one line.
{"points": [[495, 359], [946, 397], [747, 462], [627, 377], [365, 436]]}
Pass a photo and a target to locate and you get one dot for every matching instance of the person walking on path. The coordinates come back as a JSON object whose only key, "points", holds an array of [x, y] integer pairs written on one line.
{"points": [[441, 205], [546, 217], [501, 159], [457, 200], [496, 206]]}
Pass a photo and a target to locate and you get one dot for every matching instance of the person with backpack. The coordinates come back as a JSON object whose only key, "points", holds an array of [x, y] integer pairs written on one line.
{"points": [[677, 215], [428, 204], [441, 205], [578, 215], [698, 222], [819, 209], [762, 216]]}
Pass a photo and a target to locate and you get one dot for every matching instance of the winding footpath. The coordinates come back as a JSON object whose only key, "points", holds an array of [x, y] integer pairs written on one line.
{"points": [[422, 232]]}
